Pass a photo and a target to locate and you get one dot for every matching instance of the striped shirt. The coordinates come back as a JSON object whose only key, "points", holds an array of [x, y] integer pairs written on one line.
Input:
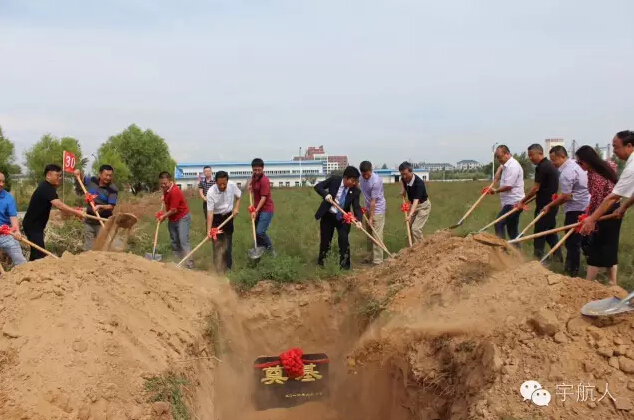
{"points": [[205, 185]]}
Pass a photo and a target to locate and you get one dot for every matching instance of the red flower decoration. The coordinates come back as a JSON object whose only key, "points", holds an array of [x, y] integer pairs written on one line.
{"points": [[90, 198], [251, 209], [214, 232], [348, 218], [159, 214], [405, 207], [486, 190], [521, 206], [292, 362], [554, 197], [5, 230], [364, 210]]}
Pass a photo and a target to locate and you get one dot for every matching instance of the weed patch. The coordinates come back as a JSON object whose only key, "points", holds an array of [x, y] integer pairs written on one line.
{"points": [[167, 388]]}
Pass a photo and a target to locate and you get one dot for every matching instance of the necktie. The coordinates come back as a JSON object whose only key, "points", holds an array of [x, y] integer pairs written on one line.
{"points": [[342, 202]]}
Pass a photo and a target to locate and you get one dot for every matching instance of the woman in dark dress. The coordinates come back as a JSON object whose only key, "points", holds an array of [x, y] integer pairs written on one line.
{"points": [[602, 246]]}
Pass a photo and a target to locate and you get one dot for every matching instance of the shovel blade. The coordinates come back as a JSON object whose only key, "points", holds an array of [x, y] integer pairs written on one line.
{"points": [[153, 257], [606, 307], [256, 253]]}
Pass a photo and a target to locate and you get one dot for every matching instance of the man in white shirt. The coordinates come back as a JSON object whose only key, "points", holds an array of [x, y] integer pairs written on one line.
{"points": [[511, 191], [623, 146], [220, 206]]}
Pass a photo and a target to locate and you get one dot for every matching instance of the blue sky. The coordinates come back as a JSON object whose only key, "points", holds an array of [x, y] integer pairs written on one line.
{"points": [[384, 80]]}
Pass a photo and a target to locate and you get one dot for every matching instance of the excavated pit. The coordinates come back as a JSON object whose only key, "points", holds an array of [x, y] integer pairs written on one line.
{"points": [[448, 330]]}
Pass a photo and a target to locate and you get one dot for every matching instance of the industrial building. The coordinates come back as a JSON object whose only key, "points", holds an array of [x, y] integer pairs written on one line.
{"points": [[550, 143], [293, 173]]}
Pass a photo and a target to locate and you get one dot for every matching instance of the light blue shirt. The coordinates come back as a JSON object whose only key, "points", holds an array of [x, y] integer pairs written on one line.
{"points": [[372, 189], [7, 208], [574, 180]]}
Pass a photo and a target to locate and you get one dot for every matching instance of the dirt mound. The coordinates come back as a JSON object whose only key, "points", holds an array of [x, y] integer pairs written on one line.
{"points": [[450, 329], [83, 335]]}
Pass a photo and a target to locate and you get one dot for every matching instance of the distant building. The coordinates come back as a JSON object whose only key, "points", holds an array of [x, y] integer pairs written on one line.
{"points": [[330, 162], [465, 165], [550, 143], [432, 167], [281, 173]]}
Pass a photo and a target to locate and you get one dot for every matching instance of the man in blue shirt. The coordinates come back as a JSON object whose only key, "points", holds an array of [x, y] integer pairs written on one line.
{"points": [[106, 194], [9, 216]]}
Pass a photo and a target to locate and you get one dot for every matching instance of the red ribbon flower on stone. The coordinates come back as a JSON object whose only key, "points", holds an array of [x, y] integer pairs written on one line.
{"points": [[554, 197], [90, 198], [159, 214], [292, 362], [251, 209], [214, 232], [349, 218], [405, 207]]}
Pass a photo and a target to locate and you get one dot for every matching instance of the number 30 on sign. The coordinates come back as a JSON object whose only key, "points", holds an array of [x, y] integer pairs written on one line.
{"points": [[69, 162]]}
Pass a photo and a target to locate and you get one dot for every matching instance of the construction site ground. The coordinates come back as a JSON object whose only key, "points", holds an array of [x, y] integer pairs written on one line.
{"points": [[448, 330]]}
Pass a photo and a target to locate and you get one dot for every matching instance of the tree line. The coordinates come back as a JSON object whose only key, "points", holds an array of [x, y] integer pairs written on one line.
{"points": [[136, 156]]}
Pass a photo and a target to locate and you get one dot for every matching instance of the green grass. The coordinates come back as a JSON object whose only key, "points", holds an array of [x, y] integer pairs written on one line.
{"points": [[295, 233], [167, 388]]}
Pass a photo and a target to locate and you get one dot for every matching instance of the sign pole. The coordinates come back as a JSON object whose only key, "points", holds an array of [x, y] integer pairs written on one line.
{"points": [[63, 178]]}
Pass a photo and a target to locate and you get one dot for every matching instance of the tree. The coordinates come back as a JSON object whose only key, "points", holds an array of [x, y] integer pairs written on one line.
{"points": [[384, 166], [48, 150], [138, 156], [110, 156], [7, 160]]}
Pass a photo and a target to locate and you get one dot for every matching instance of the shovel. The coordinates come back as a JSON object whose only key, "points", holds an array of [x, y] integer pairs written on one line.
{"points": [[111, 228], [474, 206], [256, 252], [609, 306], [92, 202], [505, 215], [531, 224], [372, 238], [203, 242], [495, 241], [154, 256]]}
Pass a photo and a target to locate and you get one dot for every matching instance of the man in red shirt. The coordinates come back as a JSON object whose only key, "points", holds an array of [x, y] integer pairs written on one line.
{"points": [[177, 212], [260, 185]]}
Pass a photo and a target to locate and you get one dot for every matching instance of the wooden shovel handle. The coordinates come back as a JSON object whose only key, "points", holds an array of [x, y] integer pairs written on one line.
{"points": [[92, 204], [476, 204], [39, 248], [203, 242], [505, 215], [255, 238], [558, 245], [372, 238], [381, 244], [555, 230], [531, 224], [408, 227], [156, 231]]}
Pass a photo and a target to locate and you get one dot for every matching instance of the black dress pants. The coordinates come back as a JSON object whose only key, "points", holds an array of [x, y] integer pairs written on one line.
{"points": [[549, 221], [573, 245], [37, 237], [327, 226]]}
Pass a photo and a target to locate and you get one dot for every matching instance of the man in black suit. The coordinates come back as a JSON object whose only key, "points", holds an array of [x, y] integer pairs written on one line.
{"points": [[345, 192]]}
